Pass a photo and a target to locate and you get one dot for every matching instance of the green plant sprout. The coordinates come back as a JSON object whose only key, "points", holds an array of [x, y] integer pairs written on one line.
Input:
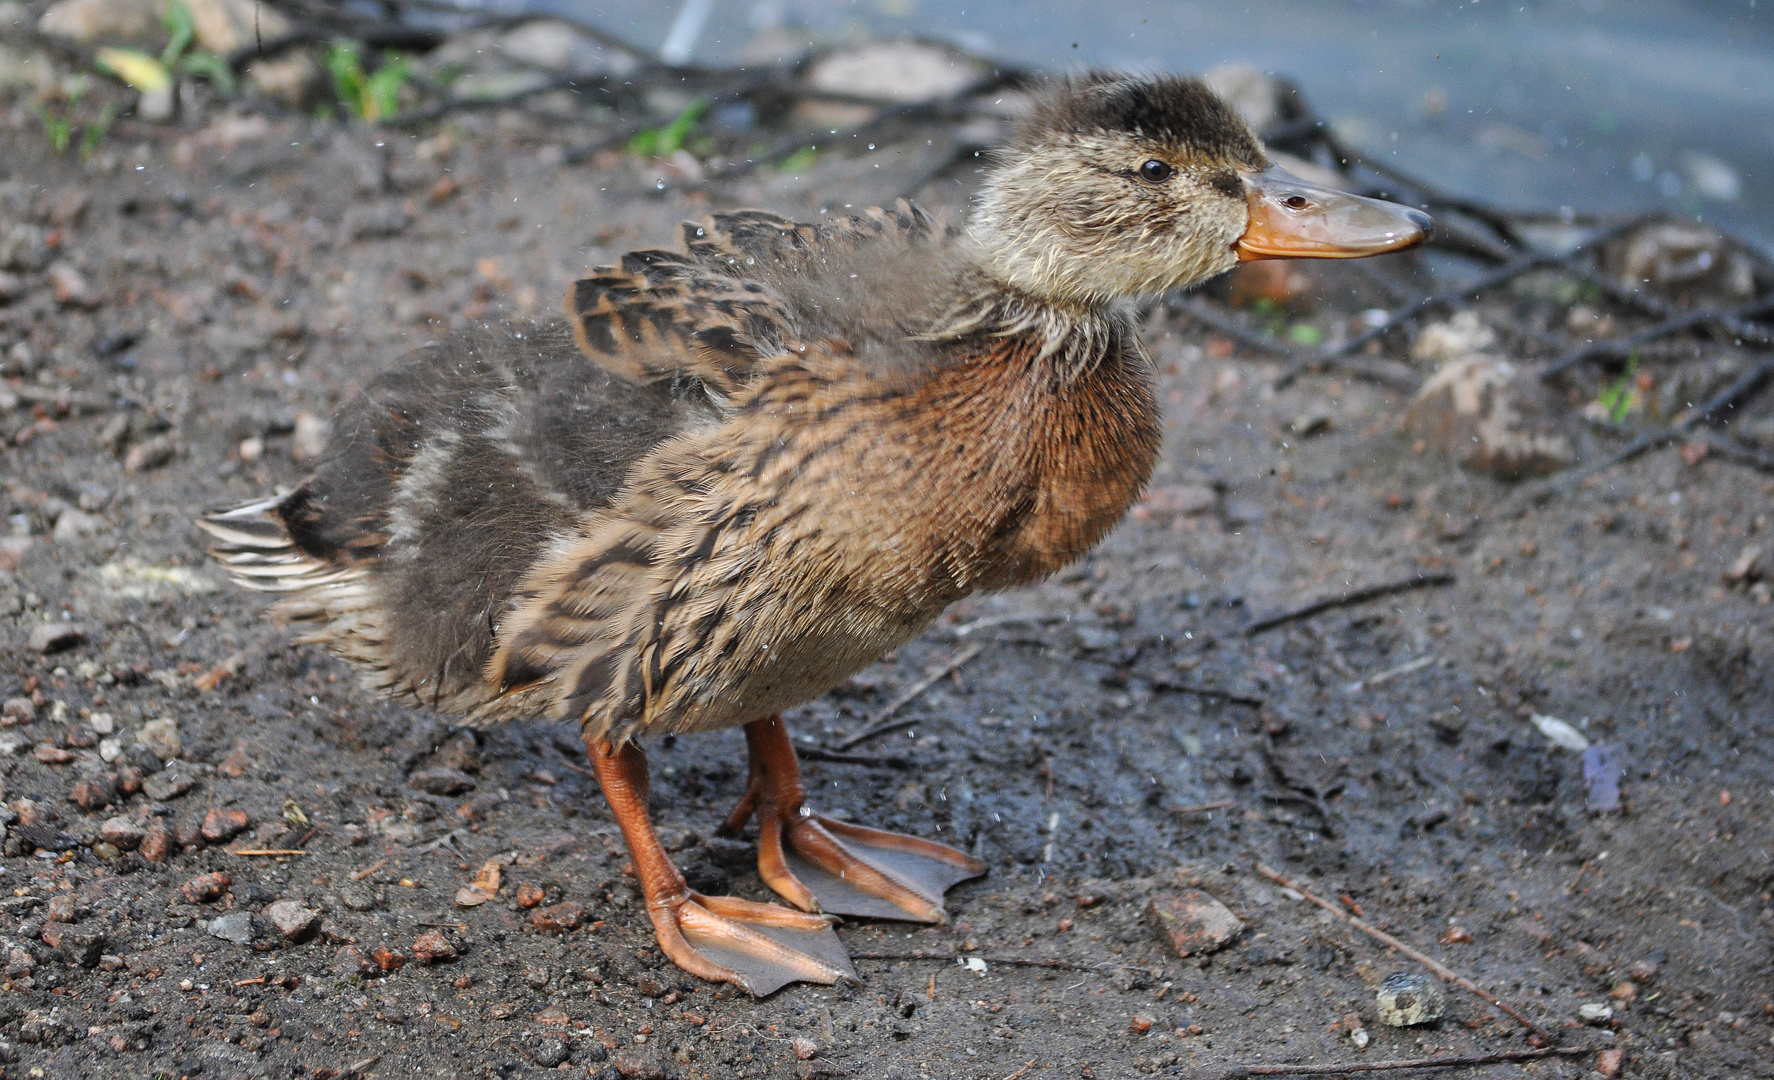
{"points": [[1620, 399], [59, 129], [1305, 334], [368, 96], [150, 75], [668, 140], [800, 159], [181, 30]]}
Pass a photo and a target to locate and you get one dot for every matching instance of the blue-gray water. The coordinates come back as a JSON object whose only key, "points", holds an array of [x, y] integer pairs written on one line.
{"points": [[1592, 104]]}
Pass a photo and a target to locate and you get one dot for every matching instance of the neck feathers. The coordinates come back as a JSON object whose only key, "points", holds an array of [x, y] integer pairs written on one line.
{"points": [[1070, 339]]}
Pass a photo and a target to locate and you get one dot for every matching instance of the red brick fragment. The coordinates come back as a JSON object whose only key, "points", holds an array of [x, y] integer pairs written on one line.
{"points": [[432, 947], [1192, 922], [558, 919], [221, 824], [204, 886], [156, 842]]}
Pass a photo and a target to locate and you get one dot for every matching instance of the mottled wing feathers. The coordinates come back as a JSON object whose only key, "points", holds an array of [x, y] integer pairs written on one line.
{"points": [[732, 297], [750, 242], [661, 315]]}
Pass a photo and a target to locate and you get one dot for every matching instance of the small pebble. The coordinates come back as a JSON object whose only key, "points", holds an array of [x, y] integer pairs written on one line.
{"points": [[1405, 1000], [1193, 923], [550, 1052], [156, 843], [433, 946], [162, 737], [55, 637], [805, 1049], [293, 920], [558, 919], [1594, 1012], [205, 887], [220, 824], [122, 833], [236, 927]]}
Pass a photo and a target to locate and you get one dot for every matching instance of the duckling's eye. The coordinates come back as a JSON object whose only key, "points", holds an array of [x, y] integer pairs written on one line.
{"points": [[1295, 202], [1156, 171]]}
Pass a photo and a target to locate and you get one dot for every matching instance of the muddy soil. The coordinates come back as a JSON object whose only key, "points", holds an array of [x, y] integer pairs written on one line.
{"points": [[236, 285]]}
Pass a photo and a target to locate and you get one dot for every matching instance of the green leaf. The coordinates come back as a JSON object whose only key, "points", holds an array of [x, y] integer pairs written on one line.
{"points": [[1620, 399], [211, 68], [346, 68], [95, 131], [382, 89], [800, 159], [668, 140], [58, 130], [1305, 334], [181, 30]]}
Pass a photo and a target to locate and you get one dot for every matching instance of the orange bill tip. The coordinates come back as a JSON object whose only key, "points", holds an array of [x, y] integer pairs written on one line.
{"points": [[1291, 218]]}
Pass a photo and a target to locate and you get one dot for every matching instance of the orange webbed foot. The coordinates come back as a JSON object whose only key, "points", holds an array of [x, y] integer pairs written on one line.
{"points": [[821, 864]]}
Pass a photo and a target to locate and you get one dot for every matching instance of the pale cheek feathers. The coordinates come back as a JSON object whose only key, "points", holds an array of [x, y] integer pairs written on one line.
{"points": [[1097, 237]]}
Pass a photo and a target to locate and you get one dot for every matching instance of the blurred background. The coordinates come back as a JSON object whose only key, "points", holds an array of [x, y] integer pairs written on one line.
{"points": [[1596, 105]]}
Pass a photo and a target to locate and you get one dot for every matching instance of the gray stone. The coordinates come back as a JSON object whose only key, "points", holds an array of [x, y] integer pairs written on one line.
{"points": [[55, 637], [122, 833], [549, 1053], [1406, 999], [24, 248], [294, 921], [74, 524], [236, 927], [169, 784], [162, 737], [900, 72], [91, 22]]}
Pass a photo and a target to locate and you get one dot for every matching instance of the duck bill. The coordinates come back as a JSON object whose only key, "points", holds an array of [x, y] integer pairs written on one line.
{"points": [[1293, 219]]}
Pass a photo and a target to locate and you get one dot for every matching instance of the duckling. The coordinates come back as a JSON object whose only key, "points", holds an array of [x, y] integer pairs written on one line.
{"points": [[743, 471]]}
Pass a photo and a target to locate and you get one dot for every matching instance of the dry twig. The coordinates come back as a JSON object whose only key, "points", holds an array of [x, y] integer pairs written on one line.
{"points": [[820, 753], [1732, 319], [1440, 970], [1224, 804], [1353, 1067], [1168, 686], [880, 723], [1354, 596]]}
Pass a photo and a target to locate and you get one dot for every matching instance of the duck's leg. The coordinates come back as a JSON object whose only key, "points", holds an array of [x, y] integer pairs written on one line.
{"points": [[760, 947], [820, 864]]}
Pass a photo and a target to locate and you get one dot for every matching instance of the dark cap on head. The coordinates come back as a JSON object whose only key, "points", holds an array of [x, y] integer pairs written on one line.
{"points": [[1172, 109]]}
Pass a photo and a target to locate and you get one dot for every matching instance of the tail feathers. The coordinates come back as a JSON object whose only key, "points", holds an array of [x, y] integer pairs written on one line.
{"points": [[256, 549]]}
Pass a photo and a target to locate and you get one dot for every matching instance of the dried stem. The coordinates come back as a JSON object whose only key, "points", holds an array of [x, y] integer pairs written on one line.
{"points": [[880, 723], [1353, 1067], [1354, 596]]}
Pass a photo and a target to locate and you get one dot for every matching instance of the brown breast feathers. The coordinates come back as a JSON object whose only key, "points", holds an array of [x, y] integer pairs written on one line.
{"points": [[752, 565]]}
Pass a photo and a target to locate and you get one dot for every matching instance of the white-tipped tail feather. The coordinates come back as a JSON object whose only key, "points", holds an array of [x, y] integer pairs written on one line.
{"points": [[336, 600]]}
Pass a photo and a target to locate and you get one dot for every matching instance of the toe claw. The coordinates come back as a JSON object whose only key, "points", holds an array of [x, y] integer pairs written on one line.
{"points": [[758, 947]]}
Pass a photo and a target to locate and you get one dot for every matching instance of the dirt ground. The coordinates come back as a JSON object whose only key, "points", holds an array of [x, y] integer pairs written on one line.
{"points": [[222, 289]]}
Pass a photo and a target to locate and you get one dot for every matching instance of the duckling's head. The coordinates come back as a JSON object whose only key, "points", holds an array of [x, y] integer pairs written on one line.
{"points": [[1119, 186]]}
